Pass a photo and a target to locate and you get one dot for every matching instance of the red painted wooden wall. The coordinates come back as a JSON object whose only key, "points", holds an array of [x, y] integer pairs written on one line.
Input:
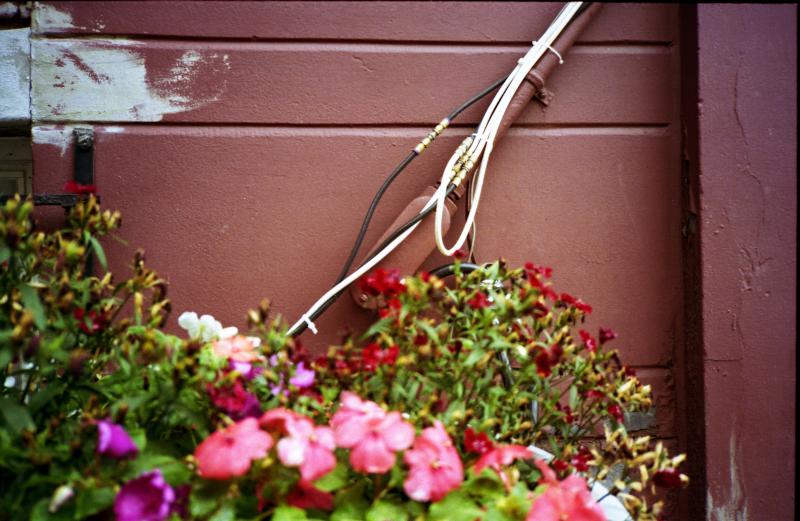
{"points": [[243, 142]]}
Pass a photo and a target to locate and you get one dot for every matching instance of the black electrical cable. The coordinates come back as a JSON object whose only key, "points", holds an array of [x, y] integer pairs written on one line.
{"points": [[396, 172]]}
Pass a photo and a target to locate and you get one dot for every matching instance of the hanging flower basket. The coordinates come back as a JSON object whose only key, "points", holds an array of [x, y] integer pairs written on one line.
{"points": [[482, 399]]}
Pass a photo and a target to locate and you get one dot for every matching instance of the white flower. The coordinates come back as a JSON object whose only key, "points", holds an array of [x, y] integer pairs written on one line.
{"points": [[205, 328]]}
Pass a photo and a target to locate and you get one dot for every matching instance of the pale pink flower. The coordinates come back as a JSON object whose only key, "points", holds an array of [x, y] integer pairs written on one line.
{"points": [[238, 348], [435, 467], [568, 499], [305, 445], [372, 434], [499, 457]]}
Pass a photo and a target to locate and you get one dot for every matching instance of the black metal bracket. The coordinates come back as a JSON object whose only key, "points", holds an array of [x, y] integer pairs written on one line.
{"points": [[84, 156], [83, 172]]}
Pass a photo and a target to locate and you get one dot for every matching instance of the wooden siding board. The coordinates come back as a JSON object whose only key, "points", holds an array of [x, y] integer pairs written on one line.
{"points": [[324, 84], [481, 22], [241, 205]]}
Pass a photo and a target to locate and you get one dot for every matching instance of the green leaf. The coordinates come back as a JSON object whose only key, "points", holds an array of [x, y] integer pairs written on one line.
{"points": [[92, 501], [98, 251], [41, 398], [573, 398], [456, 505], [387, 511], [30, 298], [381, 326], [5, 253], [227, 513], [333, 480], [350, 504], [41, 512], [473, 357], [287, 513], [15, 415]]}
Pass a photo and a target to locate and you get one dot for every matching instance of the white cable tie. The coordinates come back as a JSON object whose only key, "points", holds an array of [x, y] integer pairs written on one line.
{"points": [[309, 323], [560, 59]]}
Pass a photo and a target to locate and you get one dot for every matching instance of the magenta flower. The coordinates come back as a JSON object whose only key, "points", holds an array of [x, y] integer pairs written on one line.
{"points": [[146, 498], [373, 434], [113, 441], [305, 445], [303, 378], [435, 467], [246, 369], [568, 499]]}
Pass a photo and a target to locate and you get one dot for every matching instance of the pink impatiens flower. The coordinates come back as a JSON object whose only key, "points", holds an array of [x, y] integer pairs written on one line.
{"points": [[501, 456], [435, 467], [568, 499], [229, 452], [305, 445], [372, 434]]}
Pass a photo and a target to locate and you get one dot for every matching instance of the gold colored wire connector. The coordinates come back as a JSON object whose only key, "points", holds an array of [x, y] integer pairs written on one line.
{"points": [[438, 129]]}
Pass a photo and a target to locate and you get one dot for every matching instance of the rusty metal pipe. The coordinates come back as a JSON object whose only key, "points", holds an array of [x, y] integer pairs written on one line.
{"points": [[410, 255]]}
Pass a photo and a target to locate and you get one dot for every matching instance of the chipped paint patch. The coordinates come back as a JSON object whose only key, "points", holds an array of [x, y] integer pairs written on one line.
{"points": [[733, 507], [113, 130], [54, 135], [15, 75], [108, 80], [47, 19]]}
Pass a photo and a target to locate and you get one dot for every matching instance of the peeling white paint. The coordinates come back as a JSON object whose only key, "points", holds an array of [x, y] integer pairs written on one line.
{"points": [[735, 508], [15, 75], [54, 135], [114, 130], [47, 19], [107, 80], [8, 9]]}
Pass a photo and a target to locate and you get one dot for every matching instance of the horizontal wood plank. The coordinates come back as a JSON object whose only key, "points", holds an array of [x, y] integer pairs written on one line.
{"points": [[112, 80], [232, 215], [481, 22]]}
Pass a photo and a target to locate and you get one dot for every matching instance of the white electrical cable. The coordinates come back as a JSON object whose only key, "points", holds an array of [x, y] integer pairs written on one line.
{"points": [[483, 145], [365, 267]]}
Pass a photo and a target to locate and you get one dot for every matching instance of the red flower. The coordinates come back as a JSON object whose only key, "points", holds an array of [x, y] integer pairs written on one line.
{"points": [[382, 282], [532, 271], [615, 411], [569, 300], [560, 465], [479, 301], [372, 356], [94, 324], [306, 496], [629, 371], [581, 459], [567, 410], [606, 334], [477, 443], [669, 478], [229, 452], [234, 400], [547, 358], [588, 340], [594, 393], [76, 188]]}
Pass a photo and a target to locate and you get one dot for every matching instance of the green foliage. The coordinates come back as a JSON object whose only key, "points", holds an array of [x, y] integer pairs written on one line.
{"points": [[494, 353]]}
